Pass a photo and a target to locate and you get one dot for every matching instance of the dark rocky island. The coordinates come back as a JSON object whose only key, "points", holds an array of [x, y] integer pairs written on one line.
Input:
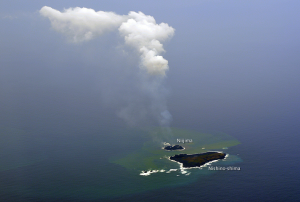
{"points": [[174, 147], [196, 160]]}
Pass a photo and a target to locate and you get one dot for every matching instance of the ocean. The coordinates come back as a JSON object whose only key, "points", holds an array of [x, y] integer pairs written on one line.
{"points": [[70, 158], [233, 85]]}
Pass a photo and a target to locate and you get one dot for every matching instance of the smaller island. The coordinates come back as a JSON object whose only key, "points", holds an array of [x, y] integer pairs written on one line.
{"points": [[197, 160], [174, 147]]}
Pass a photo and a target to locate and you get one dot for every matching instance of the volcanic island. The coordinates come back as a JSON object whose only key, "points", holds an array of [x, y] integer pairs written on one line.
{"points": [[174, 147], [194, 160]]}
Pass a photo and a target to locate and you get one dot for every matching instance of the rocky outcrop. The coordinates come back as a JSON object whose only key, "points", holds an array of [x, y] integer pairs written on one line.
{"points": [[174, 147]]}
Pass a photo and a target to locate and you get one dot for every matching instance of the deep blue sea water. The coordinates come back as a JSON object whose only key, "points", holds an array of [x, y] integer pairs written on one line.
{"points": [[234, 71], [65, 144], [76, 167]]}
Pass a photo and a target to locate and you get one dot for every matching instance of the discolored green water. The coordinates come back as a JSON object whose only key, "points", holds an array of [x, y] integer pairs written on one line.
{"points": [[96, 165], [151, 155]]}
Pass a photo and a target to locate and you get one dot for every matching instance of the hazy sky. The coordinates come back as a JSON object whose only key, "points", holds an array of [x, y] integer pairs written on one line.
{"points": [[228, 60]]}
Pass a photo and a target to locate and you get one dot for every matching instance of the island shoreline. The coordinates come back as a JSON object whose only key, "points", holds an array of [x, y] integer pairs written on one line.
{"points": [[182, 168]]}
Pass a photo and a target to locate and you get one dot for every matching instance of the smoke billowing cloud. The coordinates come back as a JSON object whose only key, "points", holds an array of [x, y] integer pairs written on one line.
{"points": [[140, 32], [82, 24]]}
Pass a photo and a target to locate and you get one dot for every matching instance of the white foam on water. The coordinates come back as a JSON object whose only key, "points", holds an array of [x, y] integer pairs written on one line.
{"points": [[171, 170], [182, 169], [149, 172]]}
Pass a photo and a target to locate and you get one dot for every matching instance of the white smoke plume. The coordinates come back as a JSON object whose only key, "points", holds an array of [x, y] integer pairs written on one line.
{"points": [[82, 24], [140, 32]]}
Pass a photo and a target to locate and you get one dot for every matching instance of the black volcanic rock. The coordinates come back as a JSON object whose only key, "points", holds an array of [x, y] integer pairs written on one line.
{"points": [[174, 147], [196, 160]]}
